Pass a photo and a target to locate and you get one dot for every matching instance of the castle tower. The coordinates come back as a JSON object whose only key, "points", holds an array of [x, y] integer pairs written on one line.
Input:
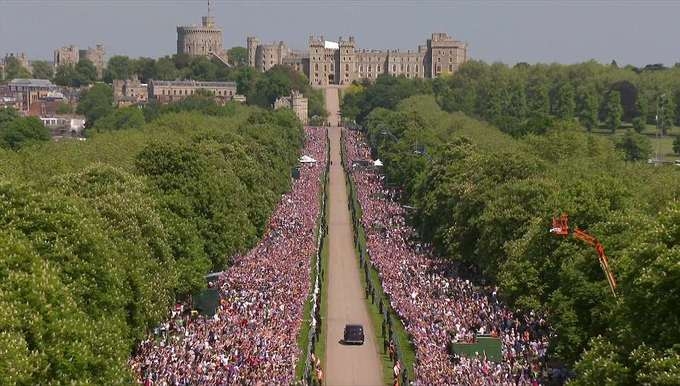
{"points": [[317, 60], [201, 41], [346, 72], [67, 55], [96, 56], [445, 54], [251, 45]]}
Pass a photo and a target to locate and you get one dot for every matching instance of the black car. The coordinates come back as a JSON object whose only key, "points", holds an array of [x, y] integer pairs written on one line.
{"points": [[354, 334]]}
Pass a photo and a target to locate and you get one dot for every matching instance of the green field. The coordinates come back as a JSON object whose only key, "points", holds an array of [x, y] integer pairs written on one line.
{"points": [[664, 144]]}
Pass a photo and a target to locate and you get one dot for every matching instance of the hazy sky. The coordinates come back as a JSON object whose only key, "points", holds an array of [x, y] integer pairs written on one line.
{"points": [[631, 32]]}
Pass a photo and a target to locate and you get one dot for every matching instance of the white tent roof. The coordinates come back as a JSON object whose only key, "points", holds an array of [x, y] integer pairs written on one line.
{"points": [[331, 45], [305, 159], [377, 163]]}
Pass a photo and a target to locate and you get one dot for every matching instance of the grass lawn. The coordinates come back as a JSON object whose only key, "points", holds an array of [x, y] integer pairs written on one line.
{"points": [[664, 144], [320, 349]]}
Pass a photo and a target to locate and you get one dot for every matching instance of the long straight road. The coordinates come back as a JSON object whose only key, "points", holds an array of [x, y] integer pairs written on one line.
{"points": [[345, 365]]}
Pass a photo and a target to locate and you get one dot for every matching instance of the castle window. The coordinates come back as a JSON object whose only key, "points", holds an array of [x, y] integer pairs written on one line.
{"points": [[378, 68], [450, 67], [439, 60], [316, 66], [346, 67], [394, 68], [450, 59]]}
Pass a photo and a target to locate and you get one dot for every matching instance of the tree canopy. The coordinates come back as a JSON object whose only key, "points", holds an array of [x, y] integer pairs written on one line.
{"points": [[99, 237], [485, 200]]}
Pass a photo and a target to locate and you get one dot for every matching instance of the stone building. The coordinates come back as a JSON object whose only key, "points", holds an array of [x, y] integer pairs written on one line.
{"points": [[29, 91], [67, 55], [295, 101], [20, 57], [130, 92], [203, 40], [342, 62], [164, 91], [96, 56], [265, 56]]}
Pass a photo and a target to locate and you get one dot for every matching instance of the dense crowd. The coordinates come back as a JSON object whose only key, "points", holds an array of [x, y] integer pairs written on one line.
{"points": [[252, 338], [436, 305]]}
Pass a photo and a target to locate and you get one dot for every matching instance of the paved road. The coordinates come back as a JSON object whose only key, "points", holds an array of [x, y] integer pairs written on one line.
{"points": [[345, 365], [333, 104]]}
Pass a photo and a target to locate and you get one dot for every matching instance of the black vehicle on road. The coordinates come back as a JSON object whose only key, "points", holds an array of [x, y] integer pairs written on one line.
{"points": [[354, 334]]}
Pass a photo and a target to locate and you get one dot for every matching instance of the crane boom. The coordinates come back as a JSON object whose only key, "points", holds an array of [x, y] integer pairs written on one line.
{"points": [[560, 227], [599, 248]]}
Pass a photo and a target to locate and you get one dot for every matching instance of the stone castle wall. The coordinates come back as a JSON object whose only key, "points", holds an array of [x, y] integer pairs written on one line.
{"points": [[440, 55]]}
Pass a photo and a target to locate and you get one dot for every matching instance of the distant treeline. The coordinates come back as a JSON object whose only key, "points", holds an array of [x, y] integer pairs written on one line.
{"points": [[530, 98], [99, 237]]}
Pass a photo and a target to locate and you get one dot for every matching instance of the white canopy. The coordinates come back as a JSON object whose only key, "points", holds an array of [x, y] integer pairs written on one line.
{"points": [[331, 45], [305, 159], [377, 163]]}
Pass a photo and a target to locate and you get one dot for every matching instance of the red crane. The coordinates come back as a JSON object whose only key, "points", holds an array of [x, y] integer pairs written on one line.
{"points": [[560, 227]]}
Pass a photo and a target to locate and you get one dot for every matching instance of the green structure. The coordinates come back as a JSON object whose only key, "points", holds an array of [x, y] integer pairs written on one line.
{"points": [[207, 301], [484, 344]]}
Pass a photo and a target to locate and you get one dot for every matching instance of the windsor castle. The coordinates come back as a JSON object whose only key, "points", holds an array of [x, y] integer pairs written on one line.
{"points": [[331, 63]]}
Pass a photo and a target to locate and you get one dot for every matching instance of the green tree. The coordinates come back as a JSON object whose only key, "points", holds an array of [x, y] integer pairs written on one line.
{"points": [[565, 103], [66, 75], [635, 146], [145, 68], [665, 112], [676, 145], [601, 365], [42, 69], [124, 118], [14, 69], [119, 67], [613, 111], [165, 69], [96, 103], [87, 71], [22, 132], [238, 56], [7, 116], [588, 107]]}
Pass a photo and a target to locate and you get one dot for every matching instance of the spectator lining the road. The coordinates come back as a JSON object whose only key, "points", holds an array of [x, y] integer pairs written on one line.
{"points": [[436, 306], [252, 339]]}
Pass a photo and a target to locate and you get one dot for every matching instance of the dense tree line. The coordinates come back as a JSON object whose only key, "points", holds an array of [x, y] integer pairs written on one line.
{"points": [[485, 200], [260, 89], [529, 98], [17, 132], [99, 237]]}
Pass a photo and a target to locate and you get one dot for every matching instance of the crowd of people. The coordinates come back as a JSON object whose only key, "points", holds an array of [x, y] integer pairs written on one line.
{"points": [[252, 338], [437, 306]]}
